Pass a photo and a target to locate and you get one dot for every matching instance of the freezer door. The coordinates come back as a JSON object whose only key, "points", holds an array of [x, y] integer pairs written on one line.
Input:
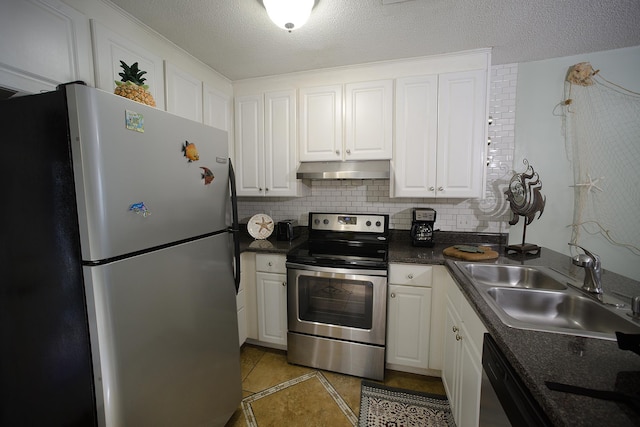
{"points": [[163, 179], [164, 335]]}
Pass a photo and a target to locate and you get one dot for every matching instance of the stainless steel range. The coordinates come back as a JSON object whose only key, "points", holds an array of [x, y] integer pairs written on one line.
{"points": [[337, 295]]}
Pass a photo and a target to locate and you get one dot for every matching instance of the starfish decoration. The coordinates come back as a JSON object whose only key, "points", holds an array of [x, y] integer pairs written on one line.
{"points": [[591, 184], [264, 225]]}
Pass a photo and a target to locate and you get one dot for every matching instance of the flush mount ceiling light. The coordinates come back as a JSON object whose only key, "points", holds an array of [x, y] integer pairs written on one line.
{"points": [[289, 14]]}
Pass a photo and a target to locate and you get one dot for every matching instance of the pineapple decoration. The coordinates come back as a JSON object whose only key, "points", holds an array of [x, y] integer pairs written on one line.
{"points": [[132, 85]]}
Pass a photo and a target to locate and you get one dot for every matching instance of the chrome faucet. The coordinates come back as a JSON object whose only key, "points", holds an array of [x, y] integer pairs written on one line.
{"points": [[593, 270]]}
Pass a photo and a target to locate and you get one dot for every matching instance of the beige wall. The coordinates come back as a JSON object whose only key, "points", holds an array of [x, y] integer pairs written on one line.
{"points": [[539, 137]]}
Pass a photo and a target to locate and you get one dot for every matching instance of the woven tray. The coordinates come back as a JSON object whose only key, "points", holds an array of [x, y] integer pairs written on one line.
{"points": [[487, 253]]}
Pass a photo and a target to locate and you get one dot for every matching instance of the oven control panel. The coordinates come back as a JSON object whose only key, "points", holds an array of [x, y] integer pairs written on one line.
{"points": [[349, 222]]}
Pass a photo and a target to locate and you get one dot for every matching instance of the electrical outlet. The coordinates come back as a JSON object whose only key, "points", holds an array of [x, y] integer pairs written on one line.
{"points": [[463, 221]]}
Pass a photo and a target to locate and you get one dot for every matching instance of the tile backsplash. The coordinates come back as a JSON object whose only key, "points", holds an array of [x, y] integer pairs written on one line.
{"points": [[490, 214]]}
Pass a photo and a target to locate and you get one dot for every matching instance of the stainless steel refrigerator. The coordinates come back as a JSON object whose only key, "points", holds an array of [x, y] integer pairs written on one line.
{"points": [[117, 279]]}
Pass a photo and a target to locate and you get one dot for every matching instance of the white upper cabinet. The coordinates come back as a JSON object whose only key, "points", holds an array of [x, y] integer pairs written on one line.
{"points": [[462, 134], [110, 48], [183, 93], [359, 130], [369, 120], [280, 143], [265, 132], [44, 43], [441, 135], [416, 136], [249, 133], [216, 108], [321, 123]]}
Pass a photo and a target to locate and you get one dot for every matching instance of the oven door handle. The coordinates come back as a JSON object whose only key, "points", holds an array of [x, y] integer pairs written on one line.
{"points": [[336, 270]]}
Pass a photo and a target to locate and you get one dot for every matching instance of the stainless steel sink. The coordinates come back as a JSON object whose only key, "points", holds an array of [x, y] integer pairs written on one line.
{"points": [[513, 275], [541, 299]]}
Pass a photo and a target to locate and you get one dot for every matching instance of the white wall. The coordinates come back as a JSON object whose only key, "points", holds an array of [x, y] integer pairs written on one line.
{"points": [[539, 138]]}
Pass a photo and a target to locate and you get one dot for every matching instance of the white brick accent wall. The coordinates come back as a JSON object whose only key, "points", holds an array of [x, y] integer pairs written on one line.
{"points": [[360, 196]]}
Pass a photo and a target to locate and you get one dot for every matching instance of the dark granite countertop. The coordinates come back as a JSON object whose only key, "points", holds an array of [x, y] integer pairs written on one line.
{"points": [[535, 356], [270, 245], [540, 356]]}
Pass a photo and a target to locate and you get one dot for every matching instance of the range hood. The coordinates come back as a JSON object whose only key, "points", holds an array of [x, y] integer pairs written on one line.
{"points": [[365, 169]]}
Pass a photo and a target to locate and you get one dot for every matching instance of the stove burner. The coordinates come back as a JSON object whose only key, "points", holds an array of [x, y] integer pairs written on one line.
{"points": [[345, 240]]}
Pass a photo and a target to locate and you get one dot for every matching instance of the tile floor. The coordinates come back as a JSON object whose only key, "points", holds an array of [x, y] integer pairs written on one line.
{"points": [[263, 368]]}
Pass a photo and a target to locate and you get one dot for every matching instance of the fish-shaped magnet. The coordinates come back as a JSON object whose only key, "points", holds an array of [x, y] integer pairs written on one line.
{"points": [[140, 208], [190, 152], [207, 175]]}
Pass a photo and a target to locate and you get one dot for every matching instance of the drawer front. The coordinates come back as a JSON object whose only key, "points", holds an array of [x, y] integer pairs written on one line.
{"points": [[271, 263], [411, 274]]}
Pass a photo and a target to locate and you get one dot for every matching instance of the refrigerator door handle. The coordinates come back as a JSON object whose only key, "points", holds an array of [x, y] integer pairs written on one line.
{"points": [[235, 228]]}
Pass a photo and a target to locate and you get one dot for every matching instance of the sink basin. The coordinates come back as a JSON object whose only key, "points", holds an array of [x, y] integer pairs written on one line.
{"points": [[513, 275], [538, 298], [558, 311]]}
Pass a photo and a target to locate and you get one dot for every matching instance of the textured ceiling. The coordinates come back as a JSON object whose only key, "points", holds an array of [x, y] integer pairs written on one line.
{"points": [[237, 39]]}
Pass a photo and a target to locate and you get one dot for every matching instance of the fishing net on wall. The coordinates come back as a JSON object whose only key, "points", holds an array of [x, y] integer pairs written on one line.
{"points": [[603, 140]]}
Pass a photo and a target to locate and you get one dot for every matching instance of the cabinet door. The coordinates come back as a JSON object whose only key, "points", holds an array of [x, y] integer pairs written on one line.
{"points": [[242, 313], [470, 381], [451, 362], [416, 136], [280, 143], [321, 123], [44, 43], [441, 280], [249, 134], [462, 134], [248, 283], [184, 93], [110, 48], [408, 324], [368, 120], [216, 108], [272, 307]]}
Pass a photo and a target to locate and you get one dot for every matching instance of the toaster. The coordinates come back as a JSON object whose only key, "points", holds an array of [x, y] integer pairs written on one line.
{"points": [[287, 229]]}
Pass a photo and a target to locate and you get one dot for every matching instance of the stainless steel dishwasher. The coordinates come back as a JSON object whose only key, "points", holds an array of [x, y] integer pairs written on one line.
{"points": [[504, 400]]}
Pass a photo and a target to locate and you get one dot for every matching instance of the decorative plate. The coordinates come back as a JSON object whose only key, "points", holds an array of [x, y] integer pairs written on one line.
{"points": [[260, 226]]}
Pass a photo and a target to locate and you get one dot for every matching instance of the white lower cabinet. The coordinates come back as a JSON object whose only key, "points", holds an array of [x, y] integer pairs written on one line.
{"points": [[409, 317], [462, 364], [241, 306], [246, 299], [271, 297]]}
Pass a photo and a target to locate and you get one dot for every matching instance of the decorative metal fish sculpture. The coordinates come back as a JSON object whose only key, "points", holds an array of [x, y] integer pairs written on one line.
{"points": [[190, 152], [207, 175], [524, 195]]}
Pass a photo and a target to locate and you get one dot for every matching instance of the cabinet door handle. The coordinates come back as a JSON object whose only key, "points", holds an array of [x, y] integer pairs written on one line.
{"points": [[337, 152], [270, 264], [455, 329], [393, 295], [260, 189], [458, 337], [348, 151], [284, 284], [432, 188], [440, 189], [410, 276], [266, 189]]}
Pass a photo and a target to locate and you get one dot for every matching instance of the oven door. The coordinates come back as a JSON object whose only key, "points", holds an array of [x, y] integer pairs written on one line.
{"points": [[345, 304]]}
